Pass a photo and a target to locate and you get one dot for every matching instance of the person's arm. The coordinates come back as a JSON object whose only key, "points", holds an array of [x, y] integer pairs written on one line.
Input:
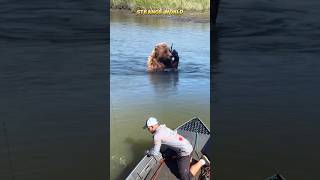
{"points": [[156, 148]]}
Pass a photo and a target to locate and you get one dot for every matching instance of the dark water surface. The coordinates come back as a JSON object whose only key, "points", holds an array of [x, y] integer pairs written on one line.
{"points": [[266, 90], [52, 78]]}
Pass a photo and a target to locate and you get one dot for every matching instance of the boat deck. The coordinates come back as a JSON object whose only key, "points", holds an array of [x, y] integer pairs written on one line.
{"points": [[169, 171]]}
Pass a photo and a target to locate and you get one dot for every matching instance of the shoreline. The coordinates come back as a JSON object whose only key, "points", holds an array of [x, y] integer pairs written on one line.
{"points": [[187, 16]]}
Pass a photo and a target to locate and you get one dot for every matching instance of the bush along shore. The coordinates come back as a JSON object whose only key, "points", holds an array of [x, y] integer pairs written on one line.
{"points": [[134, 5]]}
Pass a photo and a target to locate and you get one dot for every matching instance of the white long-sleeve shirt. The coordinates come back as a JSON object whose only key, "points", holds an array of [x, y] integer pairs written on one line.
{"points": [[171, 138]]}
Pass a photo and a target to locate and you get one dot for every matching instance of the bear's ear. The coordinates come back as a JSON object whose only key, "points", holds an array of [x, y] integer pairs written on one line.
{"points": [[155, 51]]}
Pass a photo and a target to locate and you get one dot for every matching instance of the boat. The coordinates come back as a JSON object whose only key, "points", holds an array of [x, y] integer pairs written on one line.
{"points": [[164, 167]]}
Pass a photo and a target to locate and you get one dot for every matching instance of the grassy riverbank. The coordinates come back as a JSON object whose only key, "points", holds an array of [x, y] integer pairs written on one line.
{"points": [[194, 5]]}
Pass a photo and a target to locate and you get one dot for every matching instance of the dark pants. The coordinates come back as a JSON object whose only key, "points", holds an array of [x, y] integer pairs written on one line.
{"points": [[184, 167]]}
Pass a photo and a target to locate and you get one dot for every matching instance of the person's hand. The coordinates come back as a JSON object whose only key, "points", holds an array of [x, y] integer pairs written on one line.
{"points": [[147, 153]]}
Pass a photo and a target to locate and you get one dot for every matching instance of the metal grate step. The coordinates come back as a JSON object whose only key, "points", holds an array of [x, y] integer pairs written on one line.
{"points": [[195, 125]]}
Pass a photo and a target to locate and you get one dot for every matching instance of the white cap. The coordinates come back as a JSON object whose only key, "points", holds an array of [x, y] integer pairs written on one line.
{"points": [[151, 122]]}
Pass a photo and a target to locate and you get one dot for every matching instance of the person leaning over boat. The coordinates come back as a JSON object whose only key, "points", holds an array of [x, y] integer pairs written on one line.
{"points": [[163, 135]]}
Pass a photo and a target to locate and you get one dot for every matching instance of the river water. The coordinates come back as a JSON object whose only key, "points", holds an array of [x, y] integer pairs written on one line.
{"points": [[53, 94], [135, 94], [266, 90]]}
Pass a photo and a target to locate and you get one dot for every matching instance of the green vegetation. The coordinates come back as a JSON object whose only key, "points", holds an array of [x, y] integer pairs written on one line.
{"points": [[195, 5]]}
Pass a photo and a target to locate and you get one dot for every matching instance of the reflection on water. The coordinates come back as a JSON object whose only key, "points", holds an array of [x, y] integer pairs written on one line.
{"points": [[267, 90], [172, 97], [52, 104], [164, 82]]}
